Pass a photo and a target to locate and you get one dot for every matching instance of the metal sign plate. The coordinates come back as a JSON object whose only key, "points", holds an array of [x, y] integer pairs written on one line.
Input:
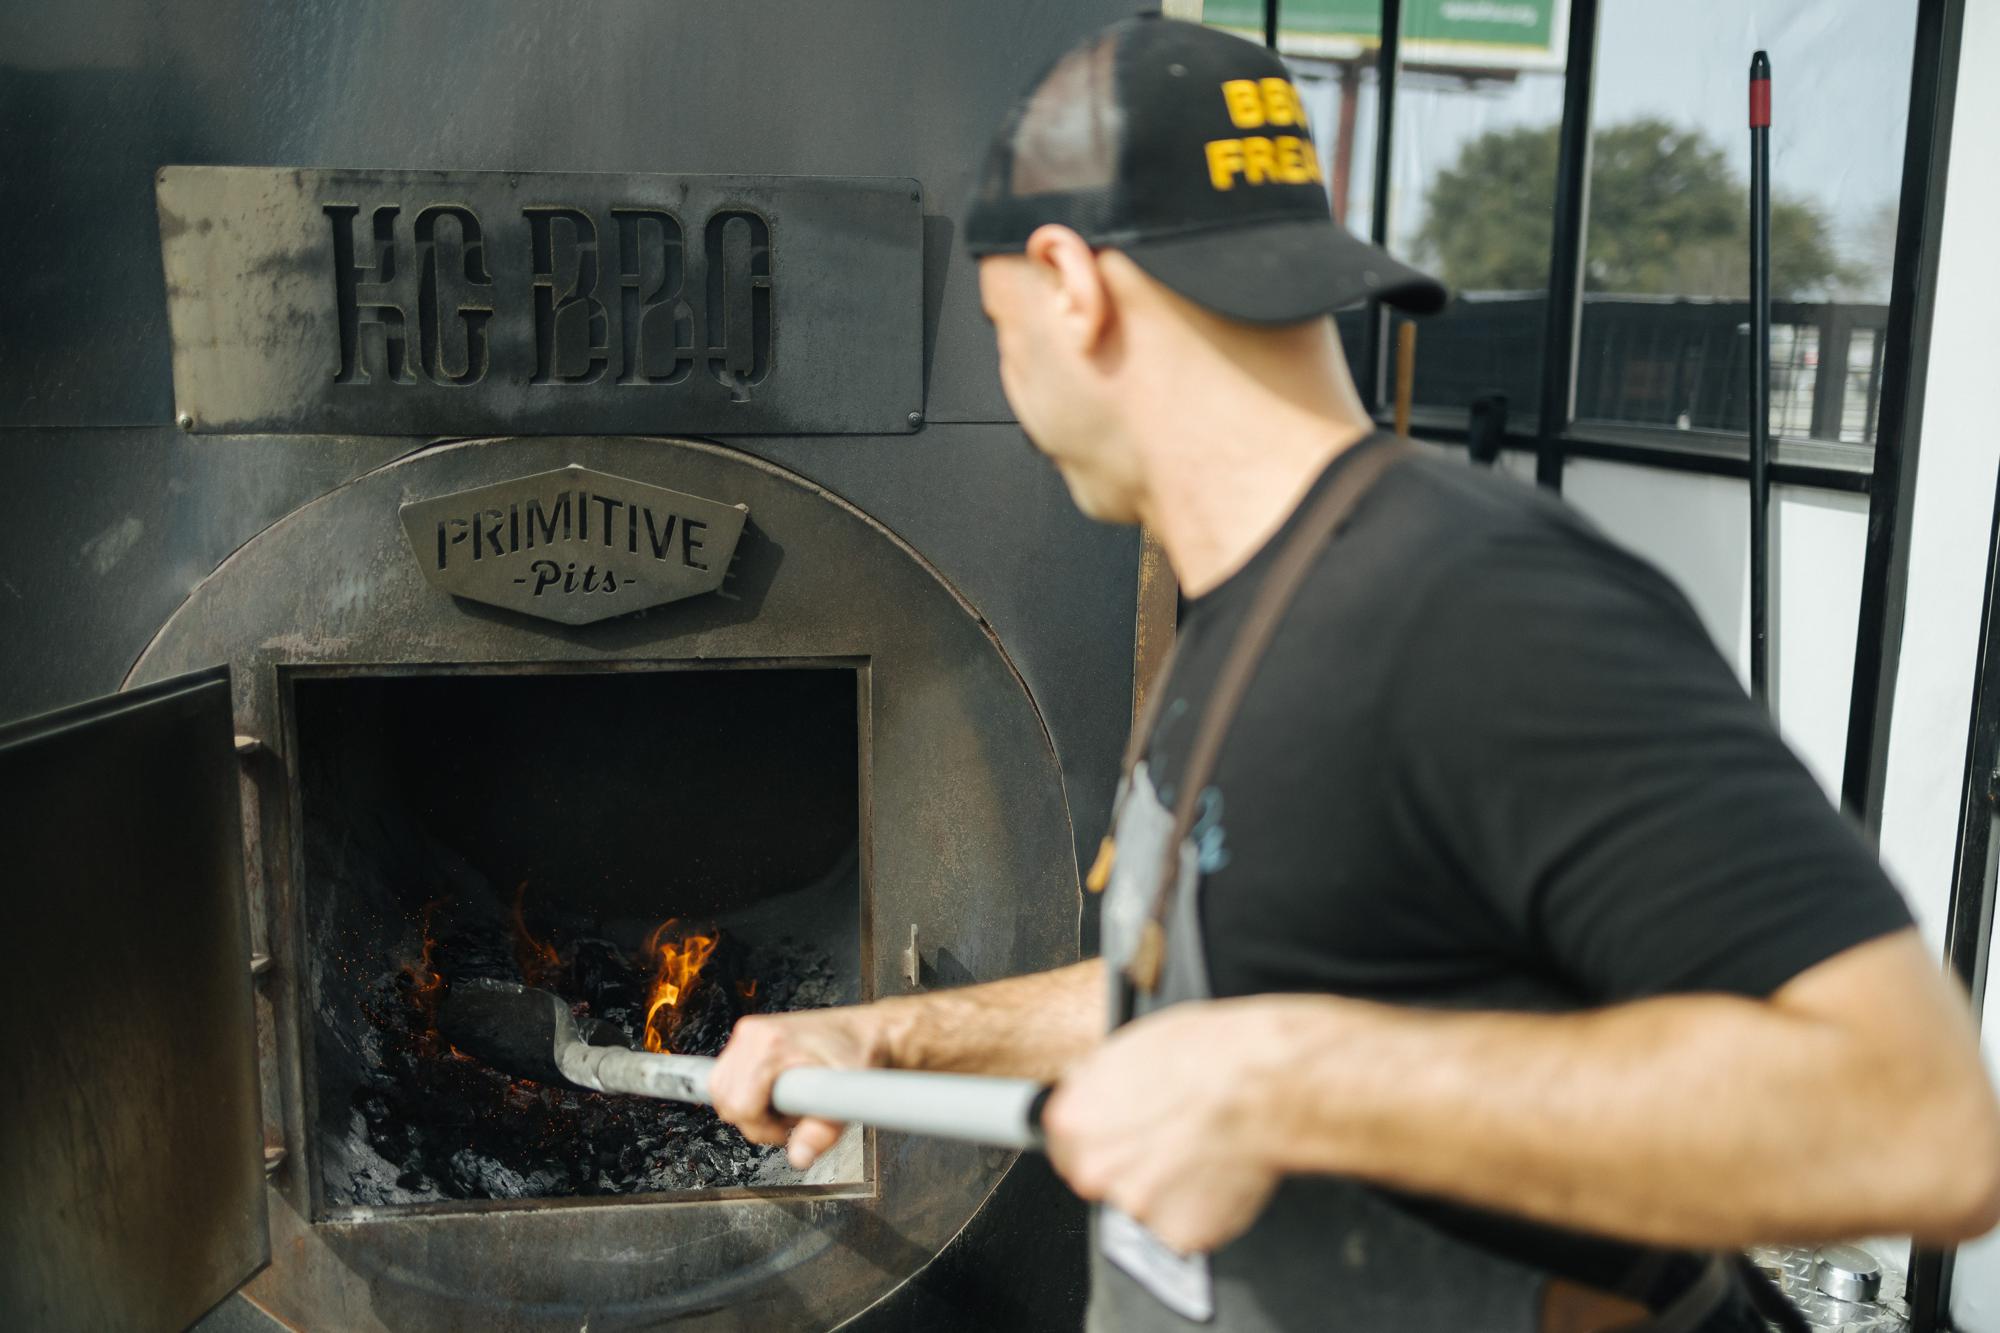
{"points": [[459, 303], [573, 545]]}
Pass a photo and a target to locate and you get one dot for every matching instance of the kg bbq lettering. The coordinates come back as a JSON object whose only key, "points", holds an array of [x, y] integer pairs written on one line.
{"points": [[624, 295], [574, 545]]}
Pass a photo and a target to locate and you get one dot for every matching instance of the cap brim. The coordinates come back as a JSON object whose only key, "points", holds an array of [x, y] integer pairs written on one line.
{"points": [[1284, 272]]}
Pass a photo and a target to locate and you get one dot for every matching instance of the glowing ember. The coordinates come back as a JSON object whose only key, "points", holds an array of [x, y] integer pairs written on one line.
{"points": [[426, 983], [431, 1122], [680, 962], [539, 962]]}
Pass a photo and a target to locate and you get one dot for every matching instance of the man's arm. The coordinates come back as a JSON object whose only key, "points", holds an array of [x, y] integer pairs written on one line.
{"points": [[1036, 1026], [1852, 1102]]}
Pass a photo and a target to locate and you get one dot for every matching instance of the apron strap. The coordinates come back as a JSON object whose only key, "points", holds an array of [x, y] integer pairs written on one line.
{"points": [[1572, 1307], [1149, 712], [1280, 585], [1688, 1311], [1722, 1278]]}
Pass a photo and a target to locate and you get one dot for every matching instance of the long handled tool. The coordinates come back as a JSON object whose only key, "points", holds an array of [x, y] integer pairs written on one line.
{"points": [[531, 1033], [1760, 377]]}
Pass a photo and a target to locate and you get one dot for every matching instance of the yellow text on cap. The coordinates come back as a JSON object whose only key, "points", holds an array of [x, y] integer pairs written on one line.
{"points": [[1255, 103], [1287, 159]]}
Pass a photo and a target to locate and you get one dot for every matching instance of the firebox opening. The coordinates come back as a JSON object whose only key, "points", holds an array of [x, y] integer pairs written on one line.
{"points": [[666, 848]]}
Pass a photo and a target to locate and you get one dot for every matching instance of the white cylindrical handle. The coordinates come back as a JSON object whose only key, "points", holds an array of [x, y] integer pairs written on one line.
{"points": [[1000, 1112]]}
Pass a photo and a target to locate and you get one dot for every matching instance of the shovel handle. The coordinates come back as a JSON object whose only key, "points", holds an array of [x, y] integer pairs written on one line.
{"points": [[998, 1112]]}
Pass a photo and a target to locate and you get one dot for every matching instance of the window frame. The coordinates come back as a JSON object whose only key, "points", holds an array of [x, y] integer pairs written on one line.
{"points": [[1885, 472]]}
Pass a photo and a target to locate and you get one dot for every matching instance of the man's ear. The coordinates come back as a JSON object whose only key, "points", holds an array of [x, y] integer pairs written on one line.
{"points": [[1067, 268]]}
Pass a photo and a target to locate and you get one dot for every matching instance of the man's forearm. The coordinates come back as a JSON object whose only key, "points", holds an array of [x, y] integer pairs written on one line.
{"points": [[1698, 1120], [1024, 1027]]}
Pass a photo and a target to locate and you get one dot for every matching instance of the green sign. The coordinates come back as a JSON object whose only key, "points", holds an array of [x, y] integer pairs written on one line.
{"points": [[1479, 34]]}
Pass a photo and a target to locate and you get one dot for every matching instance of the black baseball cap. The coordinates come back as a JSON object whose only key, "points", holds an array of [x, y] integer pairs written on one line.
{"points": [[1188, 150]]}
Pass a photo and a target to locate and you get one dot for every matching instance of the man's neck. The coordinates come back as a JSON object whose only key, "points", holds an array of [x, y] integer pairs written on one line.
{"points": [[1233, 486], [1232, 423]]}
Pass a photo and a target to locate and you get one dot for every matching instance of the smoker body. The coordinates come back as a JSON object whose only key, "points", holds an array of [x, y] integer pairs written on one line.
{"points": [[139, 549]]}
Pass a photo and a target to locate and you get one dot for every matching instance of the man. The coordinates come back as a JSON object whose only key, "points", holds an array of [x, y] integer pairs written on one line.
{"points": [[1512, 965]]}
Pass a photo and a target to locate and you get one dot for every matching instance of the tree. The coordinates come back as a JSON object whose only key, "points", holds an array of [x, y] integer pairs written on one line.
{"points": [[1872, 246], [1667, 216]]}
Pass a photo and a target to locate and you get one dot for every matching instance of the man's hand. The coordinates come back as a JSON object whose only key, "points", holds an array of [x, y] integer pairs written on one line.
{"points": [[763, 1046], [1035, 1026], [1159, 1123]]}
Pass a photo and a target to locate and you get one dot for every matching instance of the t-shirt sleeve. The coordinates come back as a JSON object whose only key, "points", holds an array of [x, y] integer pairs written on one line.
{"points": [[1570, 742]]}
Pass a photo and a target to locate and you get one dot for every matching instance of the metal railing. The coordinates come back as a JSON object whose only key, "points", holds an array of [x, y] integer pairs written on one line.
{"points": [[1674, 363]]}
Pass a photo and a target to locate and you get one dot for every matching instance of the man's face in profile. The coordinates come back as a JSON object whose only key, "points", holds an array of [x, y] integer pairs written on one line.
{"points": [[1053, 379]]}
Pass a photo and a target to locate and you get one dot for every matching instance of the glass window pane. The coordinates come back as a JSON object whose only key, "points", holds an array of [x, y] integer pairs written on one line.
{"points": [[1665, 325], [1341, 99], [1472, 190]]}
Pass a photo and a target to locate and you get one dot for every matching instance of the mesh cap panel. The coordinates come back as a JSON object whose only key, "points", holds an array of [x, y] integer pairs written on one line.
{"points": [[1189, 150]]}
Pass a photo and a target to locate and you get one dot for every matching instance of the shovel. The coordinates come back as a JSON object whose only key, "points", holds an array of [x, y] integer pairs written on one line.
{"points": [[532, 1034]]}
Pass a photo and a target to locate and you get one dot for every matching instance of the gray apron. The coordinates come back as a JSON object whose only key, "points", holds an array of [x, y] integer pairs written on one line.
{"points": [[1327, 1254]]}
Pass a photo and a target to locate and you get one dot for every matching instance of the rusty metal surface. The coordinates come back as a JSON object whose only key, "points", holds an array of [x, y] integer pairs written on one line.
{"points": [[967, 837], [526, 544], [98, 98], [116, 514], [109, 530], [460, 302], [998, 522], [131, 1179]]}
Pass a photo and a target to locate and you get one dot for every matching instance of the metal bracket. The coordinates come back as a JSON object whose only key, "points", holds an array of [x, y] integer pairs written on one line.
{"points": [[912, 961], [253, 766]]}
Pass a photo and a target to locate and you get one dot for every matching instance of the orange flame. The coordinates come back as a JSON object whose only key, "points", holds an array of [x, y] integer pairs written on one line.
{"points": [[680, 962], [425, 980], [538, 962]]}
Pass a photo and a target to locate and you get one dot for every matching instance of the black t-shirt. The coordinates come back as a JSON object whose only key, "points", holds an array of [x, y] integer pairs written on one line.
{"points": [[1493, 761]]}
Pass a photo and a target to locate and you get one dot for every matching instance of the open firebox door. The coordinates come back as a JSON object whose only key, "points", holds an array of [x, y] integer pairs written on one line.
{"points": [[131, 1166]]}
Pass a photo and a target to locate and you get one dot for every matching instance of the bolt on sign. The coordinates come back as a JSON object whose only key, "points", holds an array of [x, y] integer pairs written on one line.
{"points": [[464, 303], [1497, 35], [573, 545]]}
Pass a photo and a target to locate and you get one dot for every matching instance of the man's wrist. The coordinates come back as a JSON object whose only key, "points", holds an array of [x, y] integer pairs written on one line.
{"points": [[891, 1033], [1278, 1079]]}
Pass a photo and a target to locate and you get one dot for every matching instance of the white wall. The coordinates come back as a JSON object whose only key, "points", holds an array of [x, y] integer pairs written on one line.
{"points": [[1957, 458], [1957, 463], [1696, 527], [1517, 462]]}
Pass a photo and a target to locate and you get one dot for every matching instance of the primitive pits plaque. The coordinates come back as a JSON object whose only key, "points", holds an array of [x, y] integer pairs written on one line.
{"points": [[573, 545], [464, 303]]}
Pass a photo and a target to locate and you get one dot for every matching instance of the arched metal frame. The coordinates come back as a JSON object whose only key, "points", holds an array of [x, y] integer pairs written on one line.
{"points": [[965, 836]]}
